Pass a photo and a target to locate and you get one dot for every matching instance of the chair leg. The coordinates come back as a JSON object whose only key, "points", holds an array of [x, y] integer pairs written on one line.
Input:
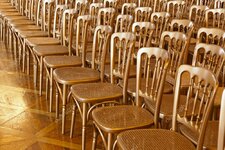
{"points": [[57, 102], [51, 89], [73, 120], [40, 75], [95, 137], [109, 145], [63, 108], [84, 121], [46, 87]]}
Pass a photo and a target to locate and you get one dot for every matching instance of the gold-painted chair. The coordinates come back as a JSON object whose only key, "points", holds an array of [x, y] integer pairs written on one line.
{"points": [[112, 120], [86, 99], [123, 23], [219, 4], [161, 21], [64, 77], [128, 9], [106, 16], [215, 18], [176, 9], [142, 14], [193, 114], [66, 30], [186, 26]]}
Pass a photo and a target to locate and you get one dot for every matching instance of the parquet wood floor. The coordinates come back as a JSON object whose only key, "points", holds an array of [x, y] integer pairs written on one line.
{"points": [[25, 122]]}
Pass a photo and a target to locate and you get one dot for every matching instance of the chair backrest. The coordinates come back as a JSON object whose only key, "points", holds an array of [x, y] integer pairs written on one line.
{"points": [[146, 3], [143, 32], [123, 23], [121, 49], [44, 14], [161, 20], [93, 11], [58, 21], [81, 6], [221, 135], [160, 5], [215, 18], [111, 3], [211, 36], [209, 3], [176, 8], [197, 15], [183, 25], [83, 23], [152, 63], [69, 28], [209, 56], [128, 9], [194, 113], [219, 4], [106, 16], [176, 44], [142, 14], [100, 48]]}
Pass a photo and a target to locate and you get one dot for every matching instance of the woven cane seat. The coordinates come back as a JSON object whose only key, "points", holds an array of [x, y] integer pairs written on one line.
{"points": [[211, 133], [62, 61], [96, 92], [2, 11], [21, 22], [153, 139], [11, 14], [118, 118], [35, 41], [26, 34], [75, 75], [50, 50], [27, 29]]}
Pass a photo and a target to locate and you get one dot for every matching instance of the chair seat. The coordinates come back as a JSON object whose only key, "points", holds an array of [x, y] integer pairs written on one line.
{"points": [[20, 22], [47, 50], [26, 28], [166, 108], [211, 134], [35, 41], [11, 14], [131, 74], [26, 34], [15, 17], [62, 61], [118, 118], [153, 139], [96, 92], [170, 79], [2, 11], [75, 75], [168, 88]]}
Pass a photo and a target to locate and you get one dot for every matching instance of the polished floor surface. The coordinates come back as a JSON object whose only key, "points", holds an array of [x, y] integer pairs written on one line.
{"points": [[25, 122]]}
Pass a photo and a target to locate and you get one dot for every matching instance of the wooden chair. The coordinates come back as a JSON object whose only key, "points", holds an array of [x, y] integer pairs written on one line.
{"points": [[215, 18], [209, 3], [128, 9], [161, 20], [66, 31], [106, 16], [111, 4], [100, 47], [186, 26], [146, 3], [176, 43], [184, 114], [160, 6], [176, 9], [112, 120], [123, 23], [142, 14], [219, 4], [66, 76]]}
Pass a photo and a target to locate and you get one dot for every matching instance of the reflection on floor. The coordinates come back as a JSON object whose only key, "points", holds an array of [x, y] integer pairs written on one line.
{"points": [[25, 122]]}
